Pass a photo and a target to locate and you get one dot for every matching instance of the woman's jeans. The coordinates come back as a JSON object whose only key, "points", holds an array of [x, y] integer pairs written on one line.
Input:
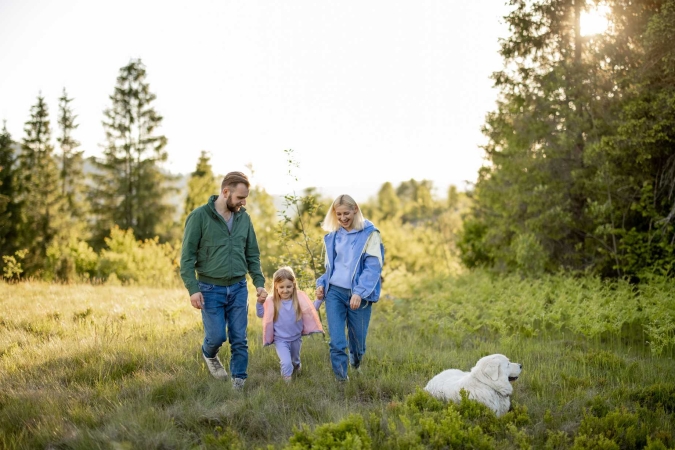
{"points": [[340, 314], [225, 312]]}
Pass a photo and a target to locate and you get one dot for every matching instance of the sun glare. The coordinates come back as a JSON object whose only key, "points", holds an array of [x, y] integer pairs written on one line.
{"points": [[595, 20]]}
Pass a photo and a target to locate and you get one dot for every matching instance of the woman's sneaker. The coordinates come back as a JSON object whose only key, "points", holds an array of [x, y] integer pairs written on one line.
{"points": [[297, 369], [215, 367]]}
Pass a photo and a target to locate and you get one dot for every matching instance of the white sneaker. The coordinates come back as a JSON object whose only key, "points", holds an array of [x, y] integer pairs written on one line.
{"points": [[215, 367], [238, 384]]}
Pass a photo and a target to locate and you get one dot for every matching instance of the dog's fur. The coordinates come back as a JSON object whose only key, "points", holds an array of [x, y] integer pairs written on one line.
{"points": [[488, 383]]}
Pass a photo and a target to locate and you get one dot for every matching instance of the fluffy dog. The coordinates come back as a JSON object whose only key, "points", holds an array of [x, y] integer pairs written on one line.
{"points": [[488, 383]]}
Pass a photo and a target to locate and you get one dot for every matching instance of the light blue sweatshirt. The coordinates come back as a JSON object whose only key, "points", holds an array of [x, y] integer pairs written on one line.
{"points": [[286, 328], [345, 253], [362, 261]]}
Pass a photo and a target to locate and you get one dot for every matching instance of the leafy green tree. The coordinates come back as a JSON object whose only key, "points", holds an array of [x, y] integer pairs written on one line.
{"points": [[299, 240], [39, 191], [8, 194], [417, 200], [130, 188], [260, 205]]}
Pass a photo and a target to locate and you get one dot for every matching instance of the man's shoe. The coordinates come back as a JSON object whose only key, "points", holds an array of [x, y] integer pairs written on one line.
{"points": [[238, 384], [215, 367]]}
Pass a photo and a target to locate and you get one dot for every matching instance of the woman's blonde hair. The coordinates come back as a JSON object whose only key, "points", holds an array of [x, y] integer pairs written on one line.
{"points": [[285, 273], [330, 222]]}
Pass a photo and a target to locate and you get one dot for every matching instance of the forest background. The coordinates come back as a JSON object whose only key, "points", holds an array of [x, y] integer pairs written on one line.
{"points": [[579, 173]]}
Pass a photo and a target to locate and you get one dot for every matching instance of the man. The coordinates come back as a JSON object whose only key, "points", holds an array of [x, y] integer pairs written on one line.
{"points": [[220, 245]]}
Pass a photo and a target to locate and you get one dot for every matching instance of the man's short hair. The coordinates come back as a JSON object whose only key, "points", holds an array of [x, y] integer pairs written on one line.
{"points": [[232, 179]]}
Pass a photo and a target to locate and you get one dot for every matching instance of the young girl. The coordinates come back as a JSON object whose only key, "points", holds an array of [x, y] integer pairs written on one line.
{"points": [[287, 315], [352, 282]]}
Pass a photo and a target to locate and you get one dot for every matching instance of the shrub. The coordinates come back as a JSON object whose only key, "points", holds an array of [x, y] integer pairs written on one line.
{"points": [[138, 262], [348, 434], [70, 261]]}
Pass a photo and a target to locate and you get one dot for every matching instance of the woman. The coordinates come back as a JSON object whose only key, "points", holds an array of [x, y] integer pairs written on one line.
{"points": [[351, 283]]}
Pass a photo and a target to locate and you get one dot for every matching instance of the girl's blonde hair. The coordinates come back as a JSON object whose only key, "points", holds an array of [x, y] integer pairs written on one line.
{"points": [[285, 273], [330, 222]]}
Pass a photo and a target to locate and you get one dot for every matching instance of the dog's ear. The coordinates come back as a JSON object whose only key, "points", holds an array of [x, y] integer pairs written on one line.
{"points": [[492, 370]]}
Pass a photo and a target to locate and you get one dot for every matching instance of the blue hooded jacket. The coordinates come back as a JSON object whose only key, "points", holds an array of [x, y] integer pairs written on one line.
{"points": [[366, 268]]}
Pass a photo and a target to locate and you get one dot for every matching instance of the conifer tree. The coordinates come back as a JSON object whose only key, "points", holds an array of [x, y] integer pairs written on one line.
{"points": [[388, 202], [8, 206], [130, 188], [70, 162], [39, 191], [201, 185]]}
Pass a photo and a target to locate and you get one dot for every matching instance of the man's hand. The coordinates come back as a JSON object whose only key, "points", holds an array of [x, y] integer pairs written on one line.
{"points": [[319, 293], [355, 301], [262, 295], [197, 300]]}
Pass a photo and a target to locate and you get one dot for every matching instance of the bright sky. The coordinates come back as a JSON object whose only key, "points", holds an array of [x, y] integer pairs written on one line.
{"points": [[363, 91]]}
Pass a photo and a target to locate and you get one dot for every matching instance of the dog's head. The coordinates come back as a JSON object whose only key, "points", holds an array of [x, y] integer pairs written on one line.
{"points": [[497, 371]]}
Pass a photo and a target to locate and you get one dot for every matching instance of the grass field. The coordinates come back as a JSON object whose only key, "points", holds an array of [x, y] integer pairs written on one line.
{"points": [[118, 367]]}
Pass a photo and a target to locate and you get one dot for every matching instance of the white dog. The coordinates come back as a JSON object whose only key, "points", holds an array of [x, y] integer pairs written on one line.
{"points": [[488, 383]]}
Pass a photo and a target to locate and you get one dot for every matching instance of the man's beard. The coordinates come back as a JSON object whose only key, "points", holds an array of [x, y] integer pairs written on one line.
{"points": [[230, 206]]}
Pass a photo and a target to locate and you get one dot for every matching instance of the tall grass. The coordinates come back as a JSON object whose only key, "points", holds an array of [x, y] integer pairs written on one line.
{"points": [[119, 367]]}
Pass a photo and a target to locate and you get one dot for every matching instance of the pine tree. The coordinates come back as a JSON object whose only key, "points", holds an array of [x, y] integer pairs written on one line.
{"points": [[130, 188], [71, 176], [201, 185], [388, 202], [39, 190], [580, 145], [8, 207]]}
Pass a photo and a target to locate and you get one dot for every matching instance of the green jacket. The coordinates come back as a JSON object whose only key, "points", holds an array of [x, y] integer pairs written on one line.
{"points": [[216, 255]]}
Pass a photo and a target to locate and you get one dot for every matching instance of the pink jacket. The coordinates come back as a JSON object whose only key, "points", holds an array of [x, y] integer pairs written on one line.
{"points": [[310, 319]]}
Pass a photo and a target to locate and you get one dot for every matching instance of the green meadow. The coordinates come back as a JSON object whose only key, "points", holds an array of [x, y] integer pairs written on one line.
{"points": [[113, 367]]}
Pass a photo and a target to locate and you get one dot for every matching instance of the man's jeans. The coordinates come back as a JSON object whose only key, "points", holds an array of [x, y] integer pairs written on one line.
{"points": [[338, 314], [225, 312]]}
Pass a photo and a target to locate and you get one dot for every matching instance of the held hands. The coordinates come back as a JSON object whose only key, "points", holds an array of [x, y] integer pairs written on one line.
{"points": [[261, 295], [319, 293], [355, 301], [197, 300]]}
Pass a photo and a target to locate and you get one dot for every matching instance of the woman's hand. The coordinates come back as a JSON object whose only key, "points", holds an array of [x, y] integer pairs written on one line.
{"points": [[355, 301], [319, 293]]}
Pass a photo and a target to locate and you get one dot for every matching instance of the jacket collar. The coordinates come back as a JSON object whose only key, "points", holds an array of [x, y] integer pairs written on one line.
{"points": [[212, 206]]}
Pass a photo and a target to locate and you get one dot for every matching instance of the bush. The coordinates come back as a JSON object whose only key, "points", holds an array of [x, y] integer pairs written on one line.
{"points": [[138, 262], [70, 261]]}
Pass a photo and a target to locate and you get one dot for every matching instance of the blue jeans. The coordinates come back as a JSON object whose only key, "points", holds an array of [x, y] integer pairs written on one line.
{"points": [[339, 314], [225, 312]]}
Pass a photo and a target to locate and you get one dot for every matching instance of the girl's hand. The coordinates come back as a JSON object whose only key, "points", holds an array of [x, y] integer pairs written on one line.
{"points": [[355, 301], [319, 293], [261, 294]]}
